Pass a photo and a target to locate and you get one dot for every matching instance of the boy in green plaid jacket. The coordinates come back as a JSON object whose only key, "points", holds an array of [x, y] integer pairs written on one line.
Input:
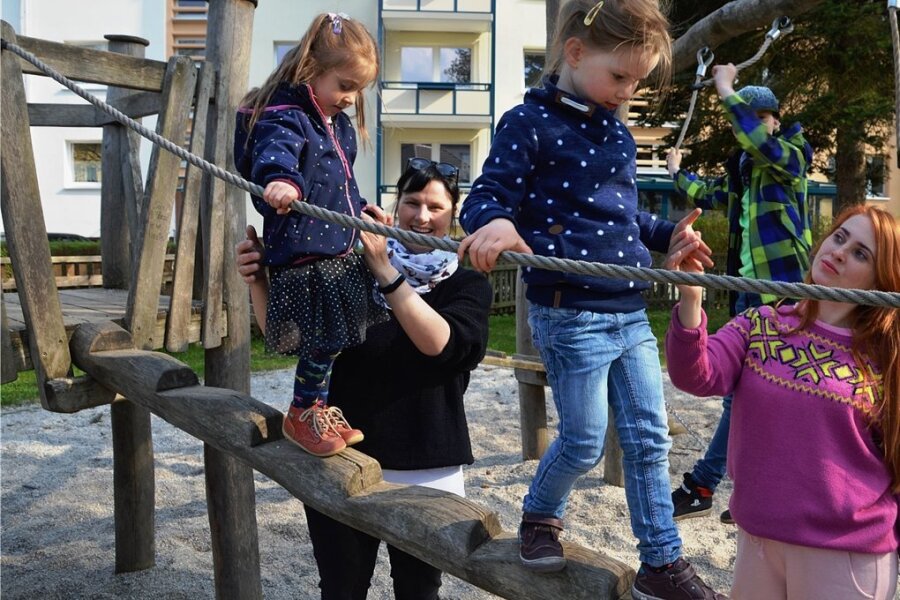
{"points": [[764, 193]]}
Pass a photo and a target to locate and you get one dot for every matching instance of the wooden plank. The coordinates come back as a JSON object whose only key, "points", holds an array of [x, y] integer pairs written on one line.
{"points": [[72, 394], [140, 105], [132, 180], [94, 66], [7, 356], [186, 252], [452, 533], [26, 233], [156, 213]]}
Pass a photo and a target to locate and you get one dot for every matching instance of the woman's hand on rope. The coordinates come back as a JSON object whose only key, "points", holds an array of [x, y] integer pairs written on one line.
{"points": [[375, 246], [486, 244], [279, 195], [248, 254], [724, 77], [673, 161]]}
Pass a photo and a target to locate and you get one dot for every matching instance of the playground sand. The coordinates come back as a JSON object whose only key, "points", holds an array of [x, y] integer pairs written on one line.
{"points": [[58, 537]]}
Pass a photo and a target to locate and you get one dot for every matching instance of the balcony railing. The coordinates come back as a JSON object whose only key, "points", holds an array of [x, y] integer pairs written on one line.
{"points": [[428, 98], [456, 6]]}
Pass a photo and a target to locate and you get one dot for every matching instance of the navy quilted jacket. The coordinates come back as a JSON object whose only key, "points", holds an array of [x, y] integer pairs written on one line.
{"points": [[563, 170], [293, 142]]}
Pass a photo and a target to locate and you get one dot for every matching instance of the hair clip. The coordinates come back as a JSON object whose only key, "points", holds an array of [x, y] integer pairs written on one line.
{"points": [[337, 22], [592, 14]]}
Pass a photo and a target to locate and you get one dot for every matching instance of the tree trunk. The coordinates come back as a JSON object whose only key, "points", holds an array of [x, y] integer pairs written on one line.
{"points": [[850, 172]]}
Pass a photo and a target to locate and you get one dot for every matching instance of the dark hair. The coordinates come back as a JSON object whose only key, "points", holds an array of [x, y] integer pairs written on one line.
{"points": [[415, 180]]}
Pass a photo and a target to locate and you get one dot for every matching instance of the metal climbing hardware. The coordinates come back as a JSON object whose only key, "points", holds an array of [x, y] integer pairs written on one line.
{"points": [[779, 26], [705, 57]]}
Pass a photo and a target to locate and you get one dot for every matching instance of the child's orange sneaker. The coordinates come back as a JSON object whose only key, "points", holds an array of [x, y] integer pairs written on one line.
{"points": [[350, 435], [311, 429]]}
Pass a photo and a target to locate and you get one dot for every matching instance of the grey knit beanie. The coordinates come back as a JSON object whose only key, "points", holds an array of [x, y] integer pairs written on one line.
{"points": [[759, 98]]}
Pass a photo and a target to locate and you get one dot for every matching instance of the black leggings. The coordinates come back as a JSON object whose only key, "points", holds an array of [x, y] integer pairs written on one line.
{"points": [[346, 559]]}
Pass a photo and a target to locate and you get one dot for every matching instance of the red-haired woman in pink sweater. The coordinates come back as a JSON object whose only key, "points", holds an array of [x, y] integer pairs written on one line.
{"points": [[814, 449]]}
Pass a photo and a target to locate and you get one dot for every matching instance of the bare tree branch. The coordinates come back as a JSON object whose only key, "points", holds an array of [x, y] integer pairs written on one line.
{"points": [[732, 20]]}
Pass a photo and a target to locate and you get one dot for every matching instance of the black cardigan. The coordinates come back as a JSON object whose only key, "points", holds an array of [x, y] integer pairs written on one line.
{"points": [[408, 405]]}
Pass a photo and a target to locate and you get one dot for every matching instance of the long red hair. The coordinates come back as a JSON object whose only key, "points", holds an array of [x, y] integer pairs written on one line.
{"points": [[876, 329]]}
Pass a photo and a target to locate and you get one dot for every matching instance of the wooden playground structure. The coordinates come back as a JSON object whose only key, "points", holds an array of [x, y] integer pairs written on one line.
{"points": [[111, 333]]}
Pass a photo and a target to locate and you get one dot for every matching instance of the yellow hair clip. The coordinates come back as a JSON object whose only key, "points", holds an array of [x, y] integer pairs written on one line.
{"points": [[592, 14]]}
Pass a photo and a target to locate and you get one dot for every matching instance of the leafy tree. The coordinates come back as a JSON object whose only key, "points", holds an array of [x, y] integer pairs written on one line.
{"points": [[830, 74], [460, 69]]}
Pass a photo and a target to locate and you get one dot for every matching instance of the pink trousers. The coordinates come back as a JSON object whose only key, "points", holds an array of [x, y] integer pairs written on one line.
{"points": [[768, 570]]}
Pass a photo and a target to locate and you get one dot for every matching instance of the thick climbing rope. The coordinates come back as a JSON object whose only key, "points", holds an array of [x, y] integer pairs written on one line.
{"points": [[724, 282], [780, 26], [895, 39]]}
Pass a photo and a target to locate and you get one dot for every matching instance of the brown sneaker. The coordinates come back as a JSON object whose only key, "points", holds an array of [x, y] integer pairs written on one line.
{"points": [[350, 435], [539, 547], [311, 430], [678, 582]]}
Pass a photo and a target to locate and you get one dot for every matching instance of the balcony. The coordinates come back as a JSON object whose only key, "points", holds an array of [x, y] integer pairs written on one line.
{"points": [[438, 15], [427, 104]]}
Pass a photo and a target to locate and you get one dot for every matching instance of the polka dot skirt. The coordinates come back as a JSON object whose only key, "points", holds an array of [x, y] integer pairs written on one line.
{"points": [[324, 305]]}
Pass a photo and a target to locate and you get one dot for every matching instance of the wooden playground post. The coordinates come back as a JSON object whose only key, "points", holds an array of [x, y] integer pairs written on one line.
{"points": [[532, 401], [134, 478], [120, 194], [230, 492]]}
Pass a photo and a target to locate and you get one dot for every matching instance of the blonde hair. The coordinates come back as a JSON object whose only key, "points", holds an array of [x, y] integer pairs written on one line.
{"points": [[326, 45], [636, 23], [876, 329]]}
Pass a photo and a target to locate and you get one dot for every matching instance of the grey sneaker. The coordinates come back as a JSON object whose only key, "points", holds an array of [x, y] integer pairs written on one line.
{"points": [[678, 582], [539, 548]]}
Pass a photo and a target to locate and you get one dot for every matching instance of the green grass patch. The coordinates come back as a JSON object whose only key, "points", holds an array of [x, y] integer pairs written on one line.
{"points": [[24, 389]]}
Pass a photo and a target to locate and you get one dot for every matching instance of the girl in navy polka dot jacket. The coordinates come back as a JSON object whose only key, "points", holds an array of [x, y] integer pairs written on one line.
{"points": [[293, 138], [560, 181]]}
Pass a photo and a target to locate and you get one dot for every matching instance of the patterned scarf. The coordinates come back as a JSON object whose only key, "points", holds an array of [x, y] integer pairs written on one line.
{"points": [[422, 271]]}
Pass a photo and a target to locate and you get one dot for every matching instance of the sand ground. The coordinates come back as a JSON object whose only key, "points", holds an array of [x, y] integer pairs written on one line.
{"points": [[57, 504]]}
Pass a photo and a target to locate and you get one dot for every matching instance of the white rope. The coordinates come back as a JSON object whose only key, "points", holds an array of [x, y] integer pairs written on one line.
{"points": [[723, 282]]}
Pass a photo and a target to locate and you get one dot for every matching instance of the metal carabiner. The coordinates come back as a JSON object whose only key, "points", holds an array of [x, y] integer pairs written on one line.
{"points": [[779, 26], [705, 57]]}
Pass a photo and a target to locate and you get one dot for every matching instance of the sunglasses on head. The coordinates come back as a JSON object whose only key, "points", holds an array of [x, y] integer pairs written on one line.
{"points": [[447, 171]]}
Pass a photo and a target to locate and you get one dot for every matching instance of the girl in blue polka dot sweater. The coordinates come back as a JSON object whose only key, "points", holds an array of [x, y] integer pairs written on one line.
{"points": [[293, 138], [560, 181]]}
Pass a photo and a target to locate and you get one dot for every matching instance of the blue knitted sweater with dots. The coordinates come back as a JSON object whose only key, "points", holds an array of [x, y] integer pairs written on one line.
{"points": [[563, 170], [294, 142]]}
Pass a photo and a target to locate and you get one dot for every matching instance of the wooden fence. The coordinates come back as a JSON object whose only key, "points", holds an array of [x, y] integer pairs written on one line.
{"points": [[77, 272]]}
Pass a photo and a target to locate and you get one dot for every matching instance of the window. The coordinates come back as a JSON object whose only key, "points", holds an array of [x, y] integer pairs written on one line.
{"points": [[83, 165], [192, 47], [875, 176], [534, 67], [448, 65], [282, 48], [459, 155]]}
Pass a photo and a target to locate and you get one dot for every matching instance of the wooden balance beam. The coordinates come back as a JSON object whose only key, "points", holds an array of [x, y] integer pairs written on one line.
{"points": [[452, 533]]}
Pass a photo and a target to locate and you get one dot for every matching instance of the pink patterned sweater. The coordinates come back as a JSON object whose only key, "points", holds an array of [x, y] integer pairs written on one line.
{"points": [[802, 453]]}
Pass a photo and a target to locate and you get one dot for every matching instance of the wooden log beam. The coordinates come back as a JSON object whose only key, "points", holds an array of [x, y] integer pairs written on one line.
{"points": [[171, 390], [450, 532], [532, 401], [75, 115], [93, 66]]}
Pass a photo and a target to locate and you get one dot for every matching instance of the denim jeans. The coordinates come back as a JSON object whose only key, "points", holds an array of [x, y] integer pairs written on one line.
{"points": [[709, 471], [594, 361]]}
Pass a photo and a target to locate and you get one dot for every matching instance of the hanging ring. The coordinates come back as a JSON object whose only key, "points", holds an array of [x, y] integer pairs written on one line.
{"points": [[705, 57], [781, 25]]}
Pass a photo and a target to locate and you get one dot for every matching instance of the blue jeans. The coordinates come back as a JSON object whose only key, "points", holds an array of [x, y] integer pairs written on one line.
{"points": [[594, 361], [709, 471]]}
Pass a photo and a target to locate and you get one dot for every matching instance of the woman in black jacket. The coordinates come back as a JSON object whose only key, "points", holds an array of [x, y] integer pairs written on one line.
{"points": [[404, 385]]}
